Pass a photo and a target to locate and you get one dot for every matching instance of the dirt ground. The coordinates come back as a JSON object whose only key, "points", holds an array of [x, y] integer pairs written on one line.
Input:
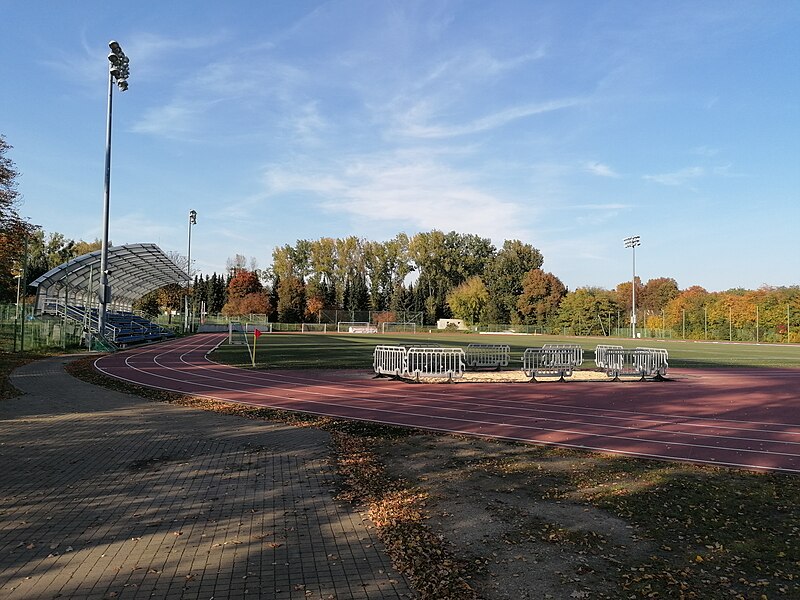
{"points": [[517, 376], [525, 537]]}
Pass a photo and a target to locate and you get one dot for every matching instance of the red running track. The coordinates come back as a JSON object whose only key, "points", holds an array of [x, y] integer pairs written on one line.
{"points": [[742, 418]]}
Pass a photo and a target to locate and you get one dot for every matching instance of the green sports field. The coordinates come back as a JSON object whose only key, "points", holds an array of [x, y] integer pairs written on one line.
{"points": [[354, 351]]}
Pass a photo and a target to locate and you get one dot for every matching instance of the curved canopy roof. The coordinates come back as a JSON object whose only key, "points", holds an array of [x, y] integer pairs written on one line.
{"points": [[133, 271]]}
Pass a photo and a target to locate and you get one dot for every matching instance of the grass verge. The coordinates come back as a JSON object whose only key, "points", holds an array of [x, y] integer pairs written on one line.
{"points": [[335, 351]]}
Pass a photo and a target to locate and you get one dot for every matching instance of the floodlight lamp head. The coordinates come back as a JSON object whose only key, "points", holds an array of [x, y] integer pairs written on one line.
{"points": [[632, 242], [113, 58], [115, 47], [193, 217], [119, 73], [122, 85]]}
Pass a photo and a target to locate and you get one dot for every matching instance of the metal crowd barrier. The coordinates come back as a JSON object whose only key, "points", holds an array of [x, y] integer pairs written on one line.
{"points": [[601, 358], [428, 345], [390, 360], [435, 362], [654, 361], [552, 360], [642, 362], [487, 355], [574, 352], [416, 361]]}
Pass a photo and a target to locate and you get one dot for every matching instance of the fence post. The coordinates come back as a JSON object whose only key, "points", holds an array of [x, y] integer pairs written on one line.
{"points": [[24, 292]]}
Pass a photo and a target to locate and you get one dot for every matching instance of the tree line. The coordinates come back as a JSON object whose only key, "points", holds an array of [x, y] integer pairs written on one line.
{"points": [[465, 276], [425, 273], [404, 274], [435, 274]]}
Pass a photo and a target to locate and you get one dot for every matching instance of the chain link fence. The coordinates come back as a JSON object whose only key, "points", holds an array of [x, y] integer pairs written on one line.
{"points": [[52, 333], [20, 331]]}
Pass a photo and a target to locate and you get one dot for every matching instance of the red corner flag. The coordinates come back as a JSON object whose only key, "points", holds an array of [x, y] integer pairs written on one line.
{"points": [[256, 335]]}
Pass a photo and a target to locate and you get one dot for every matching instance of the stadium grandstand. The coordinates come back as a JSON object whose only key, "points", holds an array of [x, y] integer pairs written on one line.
{"points": [[70, 291]]}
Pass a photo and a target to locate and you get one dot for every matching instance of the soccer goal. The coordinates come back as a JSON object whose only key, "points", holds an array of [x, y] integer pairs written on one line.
{"points": [[314, 328], [398, 327], [355, 327], [236, 334]]}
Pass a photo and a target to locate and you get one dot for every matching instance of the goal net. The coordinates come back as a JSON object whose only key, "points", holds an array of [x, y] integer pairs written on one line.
{"points": [[236, 334], [398, 327]]}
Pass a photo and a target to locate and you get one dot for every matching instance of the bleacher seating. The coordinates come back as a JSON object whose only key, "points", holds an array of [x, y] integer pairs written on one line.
{"points": [[123, 328], [130, 328]]}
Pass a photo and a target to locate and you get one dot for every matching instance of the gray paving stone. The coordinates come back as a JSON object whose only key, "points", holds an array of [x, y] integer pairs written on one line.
{"points": [[106, 495]]}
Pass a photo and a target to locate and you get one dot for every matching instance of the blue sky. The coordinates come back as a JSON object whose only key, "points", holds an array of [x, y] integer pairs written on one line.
{"points": [[566, 124]]}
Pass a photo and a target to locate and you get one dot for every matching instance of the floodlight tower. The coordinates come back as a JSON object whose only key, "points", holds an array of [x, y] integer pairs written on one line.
{"points": [[632, 242], [118, 72], [192, 221]]}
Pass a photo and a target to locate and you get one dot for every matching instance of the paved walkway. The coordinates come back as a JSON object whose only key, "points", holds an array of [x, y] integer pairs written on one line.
{"points": [[106, 495]]}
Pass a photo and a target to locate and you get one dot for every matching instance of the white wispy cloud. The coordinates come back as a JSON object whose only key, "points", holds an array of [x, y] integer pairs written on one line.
{"points": [[417, 194], [152, 47], [599, 169], [705, 151], [134, 227], [177, 120], [308, 123], [677, 178], [467, 67], [149, 55], [232, 77], [233, 89], [613, 206], [412, 128]]}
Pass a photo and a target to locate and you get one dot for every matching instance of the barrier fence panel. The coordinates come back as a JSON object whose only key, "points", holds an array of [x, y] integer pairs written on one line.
{"points": [[622, 362], [536, 363], [642, 362], [601, 354], [487, 355], [653, 361], [435, 362], [421, 345], [567, 354], [390, 360], [552, 360]]}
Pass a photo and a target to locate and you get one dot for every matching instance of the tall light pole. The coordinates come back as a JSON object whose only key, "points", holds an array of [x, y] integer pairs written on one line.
{"points": [[192, 221], [632, 242], [118, 73]]}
